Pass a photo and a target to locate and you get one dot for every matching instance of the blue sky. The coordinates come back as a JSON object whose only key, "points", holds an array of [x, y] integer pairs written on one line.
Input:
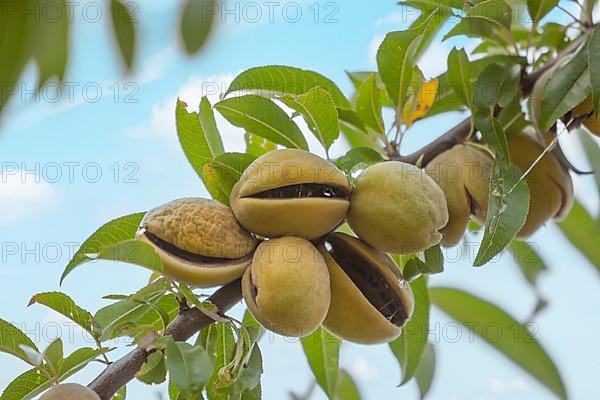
{"points": [[98, 157]]}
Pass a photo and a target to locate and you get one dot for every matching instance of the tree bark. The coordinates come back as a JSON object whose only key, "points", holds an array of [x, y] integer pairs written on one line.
{"points": [[184, 326]]}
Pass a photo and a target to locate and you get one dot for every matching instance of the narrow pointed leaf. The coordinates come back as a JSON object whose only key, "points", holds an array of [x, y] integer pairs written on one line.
{"points": [[347, 388], [50, 46], [196, 22], [112, 232], [511, 338], [410, 346], [124, 29], [322, 350], [568, 86], [11, 340], [275, 80], [368, 105], [189, 367], [198, 134], [319, 112], [262, 117], [507, 211], [582, 231], [539, 8], [594, 67], [64, 305], [528, 260], [426, 371], [132, 252], [396, 58], [26, 386], [257, 146]]}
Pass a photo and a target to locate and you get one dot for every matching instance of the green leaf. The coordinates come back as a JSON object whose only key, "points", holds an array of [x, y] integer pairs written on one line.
{"points": [[568, 86], [77, 360], [583, 232], [319, 112], [409, 347], [358, 158], [49, 38], [262, 117], [396, 58], [121, 394], [254, 329], [223, 346], [526, 257], [275, 80], [124, 29], [257, 146], [428, 5], [346, 387], [126, 317], [429, 23], [489, 19], [198, 134], [228, 169], [511, 338], [189, 367], [539, 8], [512, 118], [26, 386], [447, 96], [352, 119], [592, 153], [434, 259], [493, 133], [113, 232], [132, 252], [65, 306], [426, 371], [196, 23], [153, 371], [460, 75], [507, 211], [11, 340], [359, 77], [497, 84], [54, 355], [368, 105], [254, 394], [358, 138], [16, 50], [151, 318], [322, 350], [433, 264], [251, 373], [594, 67]]}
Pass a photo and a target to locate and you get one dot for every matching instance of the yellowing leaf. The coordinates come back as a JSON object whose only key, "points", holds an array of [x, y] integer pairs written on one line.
{"points": [[417, 106]]}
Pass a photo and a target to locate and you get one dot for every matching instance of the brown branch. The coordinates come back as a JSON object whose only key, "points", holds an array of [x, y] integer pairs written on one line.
{"points": [[459, 133], [184, 326]]}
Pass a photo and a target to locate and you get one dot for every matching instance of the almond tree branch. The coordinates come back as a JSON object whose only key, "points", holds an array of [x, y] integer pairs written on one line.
{"points": [[184, 326], [459, 133], [190, 321]]}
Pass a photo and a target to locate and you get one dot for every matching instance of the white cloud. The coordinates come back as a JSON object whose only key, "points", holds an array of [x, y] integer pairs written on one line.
{"points": [[155, 66], [24, 195], [400, 18], [72, 97], [161, 123], [362, 370]]}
